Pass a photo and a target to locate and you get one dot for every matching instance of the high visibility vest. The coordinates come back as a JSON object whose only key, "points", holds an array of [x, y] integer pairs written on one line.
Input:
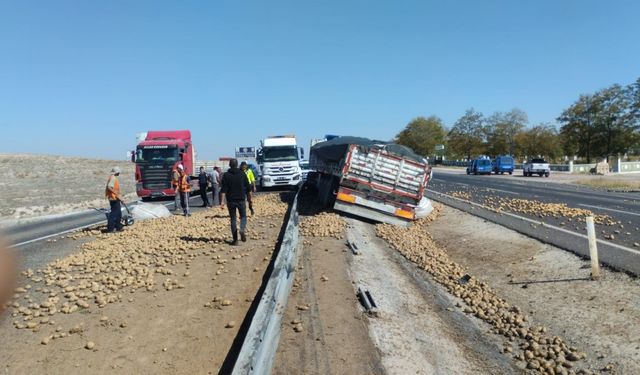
{"points": [[250, 176], [113, 193], [183, 184]]}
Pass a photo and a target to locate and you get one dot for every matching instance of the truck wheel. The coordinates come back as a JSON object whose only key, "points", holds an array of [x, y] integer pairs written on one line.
{"points": [[540, 174], [468, 173], [524, 173], [546, 174], [510, 173], [475, 173], [146, 199]]}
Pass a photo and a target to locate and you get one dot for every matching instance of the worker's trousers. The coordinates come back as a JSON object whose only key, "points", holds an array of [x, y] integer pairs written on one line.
{"points": [[115, 216], [204, 196], [184, 203], [242, 209], [215, 192]]}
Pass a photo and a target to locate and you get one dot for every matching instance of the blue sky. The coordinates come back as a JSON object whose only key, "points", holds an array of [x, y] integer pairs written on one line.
{"points": [[82, 77]]}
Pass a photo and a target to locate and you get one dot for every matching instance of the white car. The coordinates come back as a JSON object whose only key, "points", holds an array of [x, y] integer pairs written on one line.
{"points": [[536, 166]]}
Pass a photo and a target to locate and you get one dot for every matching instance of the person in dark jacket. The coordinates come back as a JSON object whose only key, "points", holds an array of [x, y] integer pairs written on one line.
{"points": [[235, 188], [203, 180]]}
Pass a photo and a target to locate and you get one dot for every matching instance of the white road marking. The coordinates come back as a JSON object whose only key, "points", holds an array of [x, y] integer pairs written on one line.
{"points": [[503, 191], [624, 248], [55, 234], [609, 209]]}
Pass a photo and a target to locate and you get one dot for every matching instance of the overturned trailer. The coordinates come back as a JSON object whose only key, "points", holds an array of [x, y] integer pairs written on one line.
{"points": [[377, 180]]}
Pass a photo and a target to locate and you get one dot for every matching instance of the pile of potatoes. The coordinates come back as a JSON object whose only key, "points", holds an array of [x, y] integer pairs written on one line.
{"points": [[324, 224], [142, 258], [545, 210], [542, 352]]}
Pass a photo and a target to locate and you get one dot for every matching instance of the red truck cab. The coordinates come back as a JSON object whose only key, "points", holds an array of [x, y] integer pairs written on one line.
{"points": [[157, 156]]}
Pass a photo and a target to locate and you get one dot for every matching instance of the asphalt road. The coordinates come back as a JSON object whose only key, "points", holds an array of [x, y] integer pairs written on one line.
{"points": [[478, 194]]}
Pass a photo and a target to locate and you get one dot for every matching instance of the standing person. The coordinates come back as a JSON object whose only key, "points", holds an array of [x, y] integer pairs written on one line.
{"points": [[215, 188], [252, 183], [184, 188], [175, 176], [203, 181], [112, 193], [235, 188]]}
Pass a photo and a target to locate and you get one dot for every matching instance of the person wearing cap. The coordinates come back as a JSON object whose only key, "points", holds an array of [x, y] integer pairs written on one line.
{"points": [[112, 193], [252, 183], [184, 188]]}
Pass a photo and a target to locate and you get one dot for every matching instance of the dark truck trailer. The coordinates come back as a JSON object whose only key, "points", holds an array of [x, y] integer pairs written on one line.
{"points": [[377, 180]]}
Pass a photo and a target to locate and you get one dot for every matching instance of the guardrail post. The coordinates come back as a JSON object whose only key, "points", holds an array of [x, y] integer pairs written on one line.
{"points": [[593, 249]]}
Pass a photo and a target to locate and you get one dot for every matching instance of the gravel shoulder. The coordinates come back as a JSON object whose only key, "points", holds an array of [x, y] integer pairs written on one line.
{"points": [[601, 318], [333, 335]]}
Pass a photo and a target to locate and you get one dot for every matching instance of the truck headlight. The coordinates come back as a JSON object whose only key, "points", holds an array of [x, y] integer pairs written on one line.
{"points": [[296, 177]]}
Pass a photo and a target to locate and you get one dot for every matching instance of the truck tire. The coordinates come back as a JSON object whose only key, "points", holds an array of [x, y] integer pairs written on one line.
{"points": [[510, 173], [524, 173], [540, 174], [546, 174]]}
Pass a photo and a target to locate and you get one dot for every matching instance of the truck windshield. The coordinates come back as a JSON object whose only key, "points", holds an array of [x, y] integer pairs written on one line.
{"points": [[273, 154], [146, 155], [484, 162]]}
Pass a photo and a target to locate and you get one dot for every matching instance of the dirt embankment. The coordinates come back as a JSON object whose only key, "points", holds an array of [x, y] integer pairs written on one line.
{"points": [[552, 287], [38, 185], [165, 296]]}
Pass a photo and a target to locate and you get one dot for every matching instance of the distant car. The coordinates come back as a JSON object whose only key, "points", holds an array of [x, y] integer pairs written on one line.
{"points": [[304, 169], [536, 166], [503, 164], [480, 166]]}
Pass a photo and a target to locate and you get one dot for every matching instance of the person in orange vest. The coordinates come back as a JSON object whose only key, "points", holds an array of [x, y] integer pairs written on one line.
{"points": [[112, 193], [184, 188]]}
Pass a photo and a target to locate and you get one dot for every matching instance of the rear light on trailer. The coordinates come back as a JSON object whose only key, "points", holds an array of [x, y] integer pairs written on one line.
{"points": [[404, 213], [346, 197]]}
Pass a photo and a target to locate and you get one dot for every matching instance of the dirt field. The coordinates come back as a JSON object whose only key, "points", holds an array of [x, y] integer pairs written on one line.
{"points": [[165, 296], [37, 185], [601, 318]]}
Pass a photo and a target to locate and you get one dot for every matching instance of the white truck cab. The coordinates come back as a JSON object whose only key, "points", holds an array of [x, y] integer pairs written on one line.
{"points": [[279, 162]]}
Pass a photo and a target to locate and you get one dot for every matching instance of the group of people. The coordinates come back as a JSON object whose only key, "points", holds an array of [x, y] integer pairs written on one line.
{"points": [[235, 187]]}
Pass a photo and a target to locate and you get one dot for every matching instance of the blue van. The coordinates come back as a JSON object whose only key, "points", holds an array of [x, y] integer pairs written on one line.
{"points": [[503, 164], [480, 166]]}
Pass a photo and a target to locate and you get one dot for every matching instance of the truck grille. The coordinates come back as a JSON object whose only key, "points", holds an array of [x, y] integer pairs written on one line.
{"points": [[275, 171], [156, 179]]}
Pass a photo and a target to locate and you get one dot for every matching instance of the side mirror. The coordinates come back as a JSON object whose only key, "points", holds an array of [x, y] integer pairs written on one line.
{"points": [[301, 153], [133, 156]]}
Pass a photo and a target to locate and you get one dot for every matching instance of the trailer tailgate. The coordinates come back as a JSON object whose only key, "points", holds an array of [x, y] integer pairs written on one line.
{"points": [[386, 172]]}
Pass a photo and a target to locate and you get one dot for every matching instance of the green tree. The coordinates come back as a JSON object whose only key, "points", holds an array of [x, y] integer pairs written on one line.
{"points": [[541, 140], [502, 129], [603, 124], [466, 137], [578, 130], [422, 135]]}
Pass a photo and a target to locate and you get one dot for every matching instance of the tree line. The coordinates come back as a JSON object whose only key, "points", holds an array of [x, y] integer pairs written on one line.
{"points": [[596, 126]]}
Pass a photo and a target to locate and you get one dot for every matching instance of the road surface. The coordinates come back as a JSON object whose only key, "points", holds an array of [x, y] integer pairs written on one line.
{"points": [[477, 194]]}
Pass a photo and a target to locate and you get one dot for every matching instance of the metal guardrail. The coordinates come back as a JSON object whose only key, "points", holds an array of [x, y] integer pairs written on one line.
{"points": [[261, 342]]}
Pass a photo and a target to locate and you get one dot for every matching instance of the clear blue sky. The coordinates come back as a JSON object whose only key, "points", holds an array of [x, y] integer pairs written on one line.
{"points": [[82, 77]]}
